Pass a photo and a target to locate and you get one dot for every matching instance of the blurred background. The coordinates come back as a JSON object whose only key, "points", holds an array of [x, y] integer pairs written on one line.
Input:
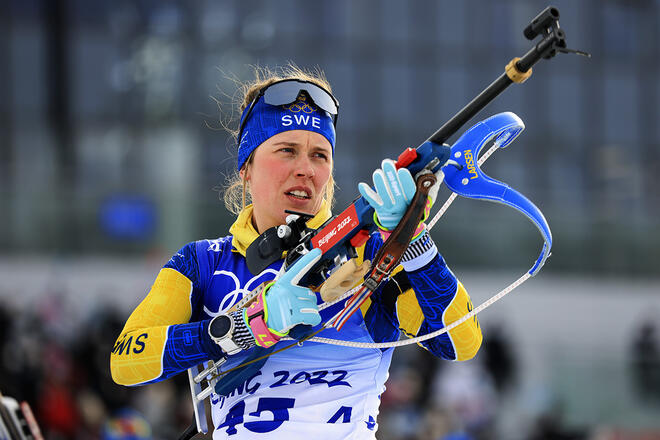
{"points": [[113, 152]]}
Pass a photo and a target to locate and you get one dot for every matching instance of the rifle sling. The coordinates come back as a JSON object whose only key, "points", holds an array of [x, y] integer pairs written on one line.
{"points": [[389, 255]]}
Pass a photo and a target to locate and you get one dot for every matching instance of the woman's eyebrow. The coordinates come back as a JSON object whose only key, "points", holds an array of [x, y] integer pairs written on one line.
{"points": [[315, 148], [287, 143], [324, 150], [321, 146]]}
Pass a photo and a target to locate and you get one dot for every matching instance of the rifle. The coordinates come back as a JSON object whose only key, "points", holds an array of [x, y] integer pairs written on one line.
{"points": [[339, 237]]}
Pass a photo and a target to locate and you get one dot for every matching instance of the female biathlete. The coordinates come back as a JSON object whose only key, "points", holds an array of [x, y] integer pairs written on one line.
{"points": [[286, 148]]}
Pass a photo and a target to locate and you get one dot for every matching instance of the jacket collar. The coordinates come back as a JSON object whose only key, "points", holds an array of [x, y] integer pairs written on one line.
{"points": [[244, 233]]}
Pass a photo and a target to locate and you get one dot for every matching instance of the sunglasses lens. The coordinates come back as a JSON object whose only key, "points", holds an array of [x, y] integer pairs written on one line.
{"points": [[286, 92], [322, 99]]}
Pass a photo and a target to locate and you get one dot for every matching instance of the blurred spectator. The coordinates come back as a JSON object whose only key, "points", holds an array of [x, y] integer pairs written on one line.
{"points": [[466, 391], [427, 366], [550, 426], [438, 424], [126, 424], [92, 349], [57, 411], [408, 396], [5, 326], [498, 358], [60, 366], [21, 355], [646, 363], [399, 405]]}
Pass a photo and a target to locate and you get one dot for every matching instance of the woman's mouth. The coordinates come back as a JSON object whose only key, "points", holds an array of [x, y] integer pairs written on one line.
{"points": [[298, 194]]}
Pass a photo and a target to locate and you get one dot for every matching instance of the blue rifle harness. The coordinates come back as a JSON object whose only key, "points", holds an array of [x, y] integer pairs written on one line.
{"points": [[468, 180]]}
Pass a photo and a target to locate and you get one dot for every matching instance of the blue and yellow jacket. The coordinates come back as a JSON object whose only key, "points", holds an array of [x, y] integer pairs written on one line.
{"points": [[167, 332]]}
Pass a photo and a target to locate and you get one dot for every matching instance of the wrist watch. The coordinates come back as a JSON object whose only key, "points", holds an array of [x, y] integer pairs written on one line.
{"points": [[221, 331]]}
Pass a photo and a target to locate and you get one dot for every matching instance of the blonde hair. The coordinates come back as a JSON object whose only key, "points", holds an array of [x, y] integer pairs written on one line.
{"points": [[237, 191]]}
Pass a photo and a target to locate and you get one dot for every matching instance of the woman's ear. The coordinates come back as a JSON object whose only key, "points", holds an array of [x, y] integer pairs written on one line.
{"points": [[244, 172]]}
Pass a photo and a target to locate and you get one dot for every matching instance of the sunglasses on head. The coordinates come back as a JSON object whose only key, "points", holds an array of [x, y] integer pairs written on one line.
{"points": [[286, 91]]}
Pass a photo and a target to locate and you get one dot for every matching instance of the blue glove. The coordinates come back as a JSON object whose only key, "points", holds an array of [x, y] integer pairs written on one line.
{"points": [[283, 304], [395, 189], [289, 304]]}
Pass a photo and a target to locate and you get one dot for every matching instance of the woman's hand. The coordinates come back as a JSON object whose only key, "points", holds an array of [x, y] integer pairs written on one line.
{"points": [[283, 304], [395, 190]]}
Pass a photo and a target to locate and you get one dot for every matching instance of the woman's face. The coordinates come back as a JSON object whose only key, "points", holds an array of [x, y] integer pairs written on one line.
{"points": [[288, 171]]}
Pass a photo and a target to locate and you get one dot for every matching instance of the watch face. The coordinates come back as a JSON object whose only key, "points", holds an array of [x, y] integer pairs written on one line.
{"points": [[219, 326]]}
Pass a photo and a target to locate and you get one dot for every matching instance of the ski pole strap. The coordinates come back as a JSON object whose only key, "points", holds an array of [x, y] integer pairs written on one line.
{"points": [[389, 255], [468, 180]]}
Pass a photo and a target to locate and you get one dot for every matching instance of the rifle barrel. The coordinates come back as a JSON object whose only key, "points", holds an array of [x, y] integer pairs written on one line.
{"points": [[472, 108]]}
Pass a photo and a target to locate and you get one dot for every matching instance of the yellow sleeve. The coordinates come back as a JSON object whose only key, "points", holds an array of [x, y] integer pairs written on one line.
{"points": [[466, 338], [137, 356]]}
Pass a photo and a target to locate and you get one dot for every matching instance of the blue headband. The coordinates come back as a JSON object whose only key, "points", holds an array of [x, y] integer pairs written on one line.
{"points": [[266, 120]]}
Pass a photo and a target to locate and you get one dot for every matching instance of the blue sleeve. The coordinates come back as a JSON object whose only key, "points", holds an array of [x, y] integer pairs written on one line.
{"points": [[186, 263], [434, 286], [187, 345]]}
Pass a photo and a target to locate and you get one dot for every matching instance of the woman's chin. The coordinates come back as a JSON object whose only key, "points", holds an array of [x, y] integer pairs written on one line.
{"points": [[294, 203]]}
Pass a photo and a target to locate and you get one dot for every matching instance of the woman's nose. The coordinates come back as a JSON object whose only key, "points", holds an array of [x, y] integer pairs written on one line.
{"points": [[304, 167]]}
